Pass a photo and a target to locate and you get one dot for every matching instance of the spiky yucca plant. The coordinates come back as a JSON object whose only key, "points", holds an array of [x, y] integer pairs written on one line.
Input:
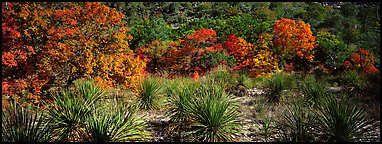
{"points": [[297, 124], [312, 90], [150, 93], [21, 124], [115, 124], [343, 122], [180, 92], [276, 88], [71, 107], [179, 103], [215, 116], [220, 76]]}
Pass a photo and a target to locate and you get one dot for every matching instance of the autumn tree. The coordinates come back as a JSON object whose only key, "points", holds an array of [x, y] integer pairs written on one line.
{"points": [[257, 59], [294, 39], [362, 62], [198, 51], [19, 79], [265, 61], [64, 42], [185, 55]]}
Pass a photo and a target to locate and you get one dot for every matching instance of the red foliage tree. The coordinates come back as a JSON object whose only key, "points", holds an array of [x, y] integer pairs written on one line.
{"points": [[362, 61]]}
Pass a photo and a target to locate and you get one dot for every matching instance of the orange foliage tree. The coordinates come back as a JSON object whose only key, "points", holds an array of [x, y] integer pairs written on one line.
{"points": [[241, 50], [265, 61], [257, 59], [294, 39], [64, 42]]}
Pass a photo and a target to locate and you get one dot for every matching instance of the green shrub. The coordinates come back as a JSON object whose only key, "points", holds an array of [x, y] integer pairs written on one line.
{"points": [[24, 124], [331, 50], [296, 124], [220, 76], [71, 107], [214, 115], [150, 93], [341, 121], [115, 124]]}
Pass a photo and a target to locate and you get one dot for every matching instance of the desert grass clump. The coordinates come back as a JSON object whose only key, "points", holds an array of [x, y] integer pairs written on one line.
{"points": [[214, 114], [220, 76], [266, 130], [297, 124], [277, 87], [71, 107], [313, 91], [24, 124], [151, 93], [341, 121], [179, 94], [115, 123]]}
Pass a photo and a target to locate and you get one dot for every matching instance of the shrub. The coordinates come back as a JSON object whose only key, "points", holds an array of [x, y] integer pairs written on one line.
{"points": [[220, 76], [214, 115], [150, 93], [294, 39], [341, 121], [115, 124], [362, 62], [257, 59], [71, 107], [24, 124], [331, 50], [297, 123]]}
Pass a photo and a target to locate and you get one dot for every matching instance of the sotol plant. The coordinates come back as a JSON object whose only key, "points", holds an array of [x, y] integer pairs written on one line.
{"points": [[24, 124], [276, 88], [115, 124], [150, 93], [343, 122], [297, 124], [215, 116], [312, 90], [71, 107]]}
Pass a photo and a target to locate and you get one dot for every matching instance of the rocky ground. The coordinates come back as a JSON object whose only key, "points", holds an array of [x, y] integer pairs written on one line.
{"points": [[254, 116]]}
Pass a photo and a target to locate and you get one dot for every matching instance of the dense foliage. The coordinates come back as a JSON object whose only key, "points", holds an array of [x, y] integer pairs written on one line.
{"points": [[89, 67]]}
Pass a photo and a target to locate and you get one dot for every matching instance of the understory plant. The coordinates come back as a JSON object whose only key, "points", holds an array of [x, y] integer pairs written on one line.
{"points": [[150, 93], [118, 122], [24, 124], [220, 76], [298, 124], [277, 87], [71, 107], [312, 90], [341, 121], [214, 115]]}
